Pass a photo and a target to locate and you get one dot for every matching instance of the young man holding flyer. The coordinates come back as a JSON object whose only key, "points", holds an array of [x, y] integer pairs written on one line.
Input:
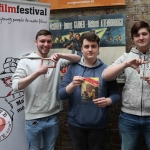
{"points": [[87, 120]]}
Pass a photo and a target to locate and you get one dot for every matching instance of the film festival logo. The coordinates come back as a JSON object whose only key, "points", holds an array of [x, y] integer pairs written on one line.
{"points": [[8, 98]]}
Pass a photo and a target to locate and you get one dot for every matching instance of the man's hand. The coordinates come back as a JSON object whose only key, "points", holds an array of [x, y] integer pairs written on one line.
{"points": [[135, 63], [110, 73], [53, 66], [102, 102], [146, 78], [43, 69], [55, 57], [77, 81]]}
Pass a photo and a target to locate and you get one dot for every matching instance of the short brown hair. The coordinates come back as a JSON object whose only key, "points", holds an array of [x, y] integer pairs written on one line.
{"points": [[137, 26], [42, 32], [90, 36]]}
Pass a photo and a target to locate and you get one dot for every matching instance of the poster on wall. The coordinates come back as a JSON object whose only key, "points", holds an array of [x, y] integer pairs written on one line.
{"points": [[64, 4], [19, 23], [110, 29]]}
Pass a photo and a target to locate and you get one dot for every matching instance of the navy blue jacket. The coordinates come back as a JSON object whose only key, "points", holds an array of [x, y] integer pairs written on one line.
{"points": [[87, 114]]}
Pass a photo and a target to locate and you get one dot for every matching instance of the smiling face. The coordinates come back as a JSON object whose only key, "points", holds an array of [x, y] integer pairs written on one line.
{"points": [[44, 44], [142, 40], [90, 51]]}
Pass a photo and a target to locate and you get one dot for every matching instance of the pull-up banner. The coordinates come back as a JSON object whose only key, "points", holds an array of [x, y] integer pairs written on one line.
{"points": [[19, 23]]}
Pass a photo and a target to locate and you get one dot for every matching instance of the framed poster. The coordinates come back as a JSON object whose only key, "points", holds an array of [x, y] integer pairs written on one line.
{"points": [[109, 28]]}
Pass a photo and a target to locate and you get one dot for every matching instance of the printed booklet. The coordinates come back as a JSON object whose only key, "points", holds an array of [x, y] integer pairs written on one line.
{"points": [[89, 89]]}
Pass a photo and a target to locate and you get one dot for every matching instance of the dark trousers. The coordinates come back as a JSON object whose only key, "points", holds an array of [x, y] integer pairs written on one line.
{"points": [[87, 139]]}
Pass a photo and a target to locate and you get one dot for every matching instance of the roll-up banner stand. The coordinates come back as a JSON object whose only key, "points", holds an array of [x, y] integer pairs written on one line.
{"points": [[19, 23]]}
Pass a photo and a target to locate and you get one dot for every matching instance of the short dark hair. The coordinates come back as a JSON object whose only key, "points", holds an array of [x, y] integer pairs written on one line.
{"points": [[42, 32], [77, 34], [90, 36], [71, 31], [137, 26]]}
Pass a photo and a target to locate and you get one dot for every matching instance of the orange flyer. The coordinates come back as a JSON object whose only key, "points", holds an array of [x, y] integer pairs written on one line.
{"points": [[89, 89]]}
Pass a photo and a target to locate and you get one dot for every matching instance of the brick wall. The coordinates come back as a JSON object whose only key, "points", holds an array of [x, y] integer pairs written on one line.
{"points": [[135, 10]]}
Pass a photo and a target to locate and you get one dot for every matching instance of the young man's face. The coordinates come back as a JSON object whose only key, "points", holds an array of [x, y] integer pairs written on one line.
{"points": [[44, 44], [142, 40], [90, 50], [77, 37]]}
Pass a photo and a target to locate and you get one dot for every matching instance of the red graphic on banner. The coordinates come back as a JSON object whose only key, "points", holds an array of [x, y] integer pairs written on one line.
{"points": [[2, 123]]}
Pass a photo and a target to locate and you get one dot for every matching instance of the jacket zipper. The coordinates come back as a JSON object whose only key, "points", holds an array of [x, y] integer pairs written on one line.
{"points": [[142, 90]]}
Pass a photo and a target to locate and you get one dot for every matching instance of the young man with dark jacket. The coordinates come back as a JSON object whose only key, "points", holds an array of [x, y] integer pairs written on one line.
{"points": [[87, 120]]}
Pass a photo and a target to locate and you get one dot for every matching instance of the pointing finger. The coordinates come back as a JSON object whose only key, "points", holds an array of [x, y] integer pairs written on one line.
{"points": [[144, 77]]}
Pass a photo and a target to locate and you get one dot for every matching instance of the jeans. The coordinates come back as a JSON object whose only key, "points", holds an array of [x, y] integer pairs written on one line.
{"points": [[87, 139], [47, 127], [130, 128]]}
